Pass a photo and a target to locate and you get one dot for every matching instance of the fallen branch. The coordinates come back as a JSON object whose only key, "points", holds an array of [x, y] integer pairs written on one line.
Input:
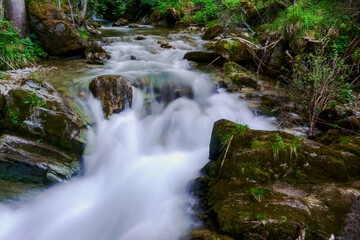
{"points": [[7, 63], [213, 61], [226, 151]]}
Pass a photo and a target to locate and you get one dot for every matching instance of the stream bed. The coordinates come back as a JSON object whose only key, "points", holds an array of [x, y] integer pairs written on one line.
{"points": [[139, 163]]}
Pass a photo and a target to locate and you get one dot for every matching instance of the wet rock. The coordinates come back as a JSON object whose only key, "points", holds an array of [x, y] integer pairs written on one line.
{"points": [[28, 161], [134, 25], [56, 34], [204, 57], [164, 91], [166, 45], [236, 49], [96, 54], [237, 78], [13, 192], [121, 22], [139, 38], [133, 57], [172, 17], [115, 93], [35, 109], [213, 32], [273, 185]]}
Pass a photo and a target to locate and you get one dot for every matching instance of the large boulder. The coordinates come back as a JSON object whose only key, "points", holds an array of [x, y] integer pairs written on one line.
{"points": [[115, 93], [42, 139], [273, 185], [53, 29], [35, 109]]}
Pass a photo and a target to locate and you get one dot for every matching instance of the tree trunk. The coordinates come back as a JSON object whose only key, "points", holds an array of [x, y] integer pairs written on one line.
{"points": [[15, 11], [83, 12], [1, 9]]}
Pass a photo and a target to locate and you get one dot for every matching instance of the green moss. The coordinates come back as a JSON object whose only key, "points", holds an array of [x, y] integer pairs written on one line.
{"points": [[83, 33]]}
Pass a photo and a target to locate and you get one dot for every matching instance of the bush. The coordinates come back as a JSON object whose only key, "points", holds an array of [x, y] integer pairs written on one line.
{"points": [[315, 82], [17, 52]]}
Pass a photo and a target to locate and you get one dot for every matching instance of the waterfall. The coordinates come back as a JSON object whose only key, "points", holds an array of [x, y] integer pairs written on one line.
{"points": [[141, 160]]}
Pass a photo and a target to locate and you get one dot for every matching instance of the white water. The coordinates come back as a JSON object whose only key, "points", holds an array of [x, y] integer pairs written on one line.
{"points": [[135, 181]]}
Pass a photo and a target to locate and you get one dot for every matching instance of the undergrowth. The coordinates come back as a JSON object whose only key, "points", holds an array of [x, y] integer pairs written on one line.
{"points": [[16, 52]]}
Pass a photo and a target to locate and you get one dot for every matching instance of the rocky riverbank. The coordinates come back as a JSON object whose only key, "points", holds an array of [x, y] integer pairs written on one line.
{"points": [[42, 138], [273, 185]]}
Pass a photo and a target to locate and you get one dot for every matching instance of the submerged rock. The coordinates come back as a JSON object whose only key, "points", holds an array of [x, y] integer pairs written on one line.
{"points": [[115, 93], [56, 34], [273, 185]]}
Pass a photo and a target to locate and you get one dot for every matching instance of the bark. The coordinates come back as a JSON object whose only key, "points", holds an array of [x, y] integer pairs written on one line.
{"points": [[1, 9], [83, 12], [15, 11]]}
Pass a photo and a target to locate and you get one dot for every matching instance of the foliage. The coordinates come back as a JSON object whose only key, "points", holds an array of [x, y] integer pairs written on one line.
{"points": [[83, 33], [13, 117], [15, 51], [316, 81], [35, 100], [308, 18], [261, 217], [109, 9], [257, 193]]}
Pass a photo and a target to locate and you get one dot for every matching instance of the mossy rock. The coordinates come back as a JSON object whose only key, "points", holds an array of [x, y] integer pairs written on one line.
{"points": [[56, 34], [205, 234], [35, 109], [213, 32], [276, 155], [236, 49], [273, 185], [238, 77]]}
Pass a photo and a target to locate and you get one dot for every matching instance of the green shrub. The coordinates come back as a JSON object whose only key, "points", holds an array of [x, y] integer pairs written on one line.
{"points": [[15, 51]]}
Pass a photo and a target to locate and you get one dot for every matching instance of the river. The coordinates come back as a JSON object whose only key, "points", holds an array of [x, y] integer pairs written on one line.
{"points": [[141, 161]]}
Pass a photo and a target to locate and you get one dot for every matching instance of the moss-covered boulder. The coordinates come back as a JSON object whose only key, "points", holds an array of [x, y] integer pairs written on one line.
{"points": [[236, 49], [115, 93], [273, 185], [53, 29], [213, 32], [36, 110], [238, 77]]}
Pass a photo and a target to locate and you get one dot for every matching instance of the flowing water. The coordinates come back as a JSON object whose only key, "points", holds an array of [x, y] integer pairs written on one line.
{"points": [[142, 160]]}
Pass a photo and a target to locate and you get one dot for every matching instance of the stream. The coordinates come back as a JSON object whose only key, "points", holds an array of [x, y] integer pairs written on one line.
{"points": [[141, 161]]}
